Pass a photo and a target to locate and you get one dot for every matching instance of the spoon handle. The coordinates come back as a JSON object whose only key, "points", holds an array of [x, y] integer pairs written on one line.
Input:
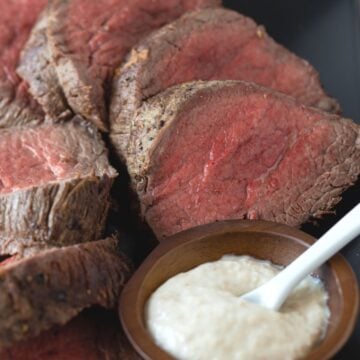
{"points": [[345, 230]]}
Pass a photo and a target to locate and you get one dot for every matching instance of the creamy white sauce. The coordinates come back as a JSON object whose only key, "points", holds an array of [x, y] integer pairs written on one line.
{"points": [[198, 314]]}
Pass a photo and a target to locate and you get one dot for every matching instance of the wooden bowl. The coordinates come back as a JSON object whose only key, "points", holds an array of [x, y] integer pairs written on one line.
{"points": [[264, 240]]}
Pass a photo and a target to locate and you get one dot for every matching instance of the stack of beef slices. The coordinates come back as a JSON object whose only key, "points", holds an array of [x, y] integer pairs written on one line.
{"points": [[69, 59], [54, 197], [258, 138], [57, 61]]}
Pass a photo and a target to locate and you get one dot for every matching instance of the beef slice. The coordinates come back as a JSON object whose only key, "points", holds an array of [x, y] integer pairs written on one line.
{"points": [[17, 107], [95, 334], [207, 151], [53, 286], [55, 183], [37, 69], [210, 44]]}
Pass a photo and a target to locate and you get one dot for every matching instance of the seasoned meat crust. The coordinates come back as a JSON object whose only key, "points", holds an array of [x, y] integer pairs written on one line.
{"points": [[53, 286], [37, 69]]}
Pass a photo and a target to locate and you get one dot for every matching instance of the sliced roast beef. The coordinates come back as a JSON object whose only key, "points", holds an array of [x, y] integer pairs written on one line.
{"points": [[36, 68], [95, 334], [86, 41], [208, 151], [53, 286], [208, 44], [54, 186], [16, 20]]}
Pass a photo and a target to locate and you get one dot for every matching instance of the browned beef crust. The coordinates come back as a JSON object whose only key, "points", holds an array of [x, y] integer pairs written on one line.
{"points": [[53, 286]]}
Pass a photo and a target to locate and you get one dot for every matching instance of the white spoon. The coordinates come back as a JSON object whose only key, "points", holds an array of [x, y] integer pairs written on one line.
{"points": [[273, 293]]}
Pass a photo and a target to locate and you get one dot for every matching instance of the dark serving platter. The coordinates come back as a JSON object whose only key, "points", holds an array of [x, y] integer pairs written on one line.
{"points": [[327, 34]]}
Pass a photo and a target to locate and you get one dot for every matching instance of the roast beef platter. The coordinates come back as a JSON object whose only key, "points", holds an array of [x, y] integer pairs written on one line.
{"points": [[191, 108]]}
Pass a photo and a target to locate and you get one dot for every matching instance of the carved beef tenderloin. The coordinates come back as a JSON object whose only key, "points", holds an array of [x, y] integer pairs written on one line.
{"points": [[216, 150], [16, 20], [54, 186], [51, 287], [210, 44], [86, 41]]}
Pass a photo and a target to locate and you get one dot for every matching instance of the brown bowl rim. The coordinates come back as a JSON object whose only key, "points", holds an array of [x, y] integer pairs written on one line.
{"points": [[141, 339]]}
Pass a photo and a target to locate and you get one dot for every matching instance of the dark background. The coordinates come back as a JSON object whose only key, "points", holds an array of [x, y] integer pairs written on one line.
{"points": [[327, 34]]}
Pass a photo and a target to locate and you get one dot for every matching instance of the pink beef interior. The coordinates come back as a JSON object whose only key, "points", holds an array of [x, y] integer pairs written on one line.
{"points": [[237, 50], [232, 155], [107, 29], [16, 20], [36, 156]]}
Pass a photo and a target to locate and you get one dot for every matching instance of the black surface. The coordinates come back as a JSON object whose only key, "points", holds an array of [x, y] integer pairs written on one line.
{"points": [[327, 34]]}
